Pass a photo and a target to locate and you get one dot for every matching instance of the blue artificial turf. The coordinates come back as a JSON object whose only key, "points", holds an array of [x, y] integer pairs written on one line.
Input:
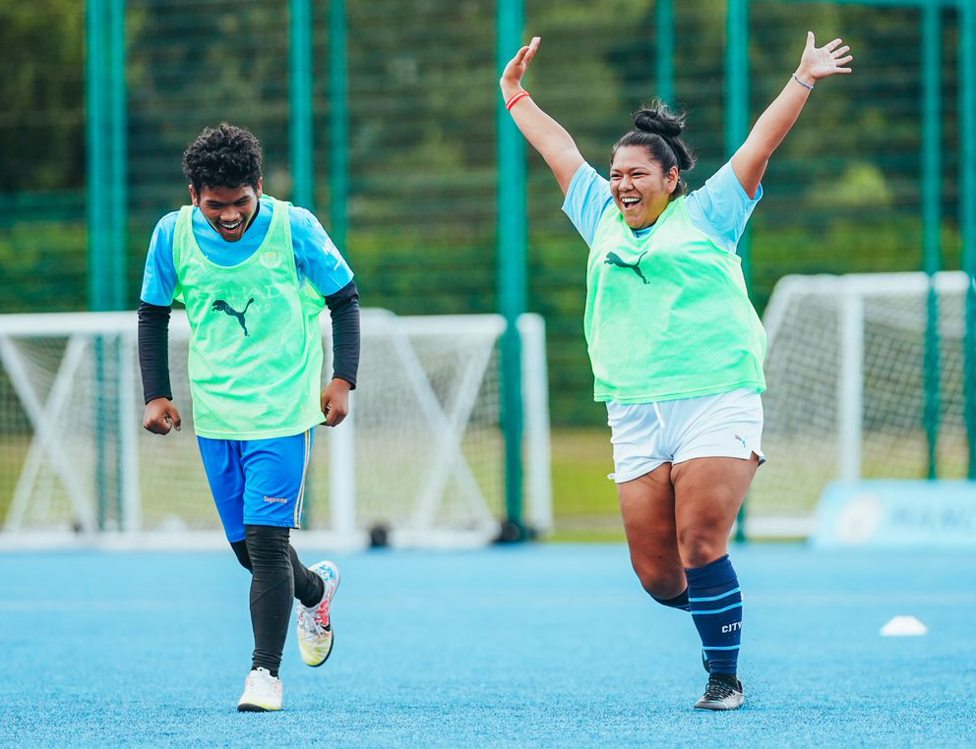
{"points": [[536, 645]]}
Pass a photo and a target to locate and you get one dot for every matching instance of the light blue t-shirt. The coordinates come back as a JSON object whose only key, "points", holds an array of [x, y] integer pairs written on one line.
{"points": [[720, 208], [316, 257]]}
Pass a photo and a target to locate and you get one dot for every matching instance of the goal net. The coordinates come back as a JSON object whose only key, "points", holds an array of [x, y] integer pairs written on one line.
{"points": [[847, 388], [420, 455]]}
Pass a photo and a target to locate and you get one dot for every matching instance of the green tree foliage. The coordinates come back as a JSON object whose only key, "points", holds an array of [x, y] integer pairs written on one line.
{"points": [[42, 90]]}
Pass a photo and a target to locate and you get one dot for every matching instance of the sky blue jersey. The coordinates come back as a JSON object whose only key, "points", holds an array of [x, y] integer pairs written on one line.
{"points": [[316, 257], [720, 208]]}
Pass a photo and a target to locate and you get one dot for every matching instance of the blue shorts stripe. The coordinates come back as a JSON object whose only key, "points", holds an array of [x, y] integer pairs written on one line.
{"points": [[299, 505], [721, 647]]}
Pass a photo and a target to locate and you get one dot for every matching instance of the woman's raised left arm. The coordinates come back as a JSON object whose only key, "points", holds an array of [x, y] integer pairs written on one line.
{"points": [[749, 162]]}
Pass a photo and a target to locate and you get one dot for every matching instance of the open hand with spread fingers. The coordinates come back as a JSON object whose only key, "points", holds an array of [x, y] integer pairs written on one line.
{"points": [[822, 62], [511, 80]]}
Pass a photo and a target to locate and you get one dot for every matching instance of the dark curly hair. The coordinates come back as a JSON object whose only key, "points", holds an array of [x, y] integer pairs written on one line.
{"points": [[658, 129], [223, 156]]}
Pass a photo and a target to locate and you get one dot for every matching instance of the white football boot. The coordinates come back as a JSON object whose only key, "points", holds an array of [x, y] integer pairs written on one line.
{"points": [[314, 622], [262, 692]]}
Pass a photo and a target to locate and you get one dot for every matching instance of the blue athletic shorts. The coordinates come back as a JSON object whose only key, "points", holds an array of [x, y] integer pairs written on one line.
{"points": [[257, 482]]}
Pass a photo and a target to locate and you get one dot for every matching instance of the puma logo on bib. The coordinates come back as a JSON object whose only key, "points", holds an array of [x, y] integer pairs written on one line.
{"points": [[221, 306], [614, 259]]}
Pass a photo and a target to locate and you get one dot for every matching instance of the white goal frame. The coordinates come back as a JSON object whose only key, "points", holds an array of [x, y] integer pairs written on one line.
{"points": [[345, 529], [846, 298]]}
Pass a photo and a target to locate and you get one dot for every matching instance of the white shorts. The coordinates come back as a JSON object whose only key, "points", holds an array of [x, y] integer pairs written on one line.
{"points": [[646, 435]]}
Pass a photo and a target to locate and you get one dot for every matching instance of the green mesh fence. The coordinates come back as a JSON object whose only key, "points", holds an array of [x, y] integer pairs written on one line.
{"points": [[844, 193]]}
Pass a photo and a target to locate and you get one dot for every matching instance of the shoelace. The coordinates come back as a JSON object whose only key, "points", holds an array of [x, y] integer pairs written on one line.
{"points": [[306, 620], [258, 680], [719, 689], [322, 616], [315, 620], [312, 621]]}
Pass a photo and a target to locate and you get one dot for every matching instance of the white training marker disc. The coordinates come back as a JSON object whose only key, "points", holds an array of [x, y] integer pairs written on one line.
{"points": [[904, 626]]}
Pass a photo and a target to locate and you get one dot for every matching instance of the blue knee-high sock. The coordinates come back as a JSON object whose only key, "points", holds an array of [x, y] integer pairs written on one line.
{"points": [[716, 607]]}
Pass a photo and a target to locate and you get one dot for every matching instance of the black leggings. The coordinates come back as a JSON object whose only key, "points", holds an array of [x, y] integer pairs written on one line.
{"points": [[277, 576]]}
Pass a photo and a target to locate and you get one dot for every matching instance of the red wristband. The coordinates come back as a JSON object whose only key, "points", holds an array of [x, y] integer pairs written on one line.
{"points": [[516, 99]]}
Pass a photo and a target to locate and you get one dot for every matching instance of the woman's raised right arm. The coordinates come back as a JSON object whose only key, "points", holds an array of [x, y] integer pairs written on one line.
{"points": [[546, 135]]}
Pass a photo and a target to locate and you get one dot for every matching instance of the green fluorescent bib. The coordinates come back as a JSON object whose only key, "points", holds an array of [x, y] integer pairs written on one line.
{"points": [[255, 360], [667, 315]]}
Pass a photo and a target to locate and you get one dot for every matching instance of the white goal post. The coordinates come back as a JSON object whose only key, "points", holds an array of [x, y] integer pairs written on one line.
{"points": [[846, 372], [421, 454]]}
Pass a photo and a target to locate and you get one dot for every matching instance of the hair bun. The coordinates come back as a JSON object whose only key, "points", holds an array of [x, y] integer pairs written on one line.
{"points": [[660, 121]]}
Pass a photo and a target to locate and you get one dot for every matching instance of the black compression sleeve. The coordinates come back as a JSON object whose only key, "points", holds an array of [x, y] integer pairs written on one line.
{"points": [[272, 590], [344, 307], [154, 351], [308, 586]]}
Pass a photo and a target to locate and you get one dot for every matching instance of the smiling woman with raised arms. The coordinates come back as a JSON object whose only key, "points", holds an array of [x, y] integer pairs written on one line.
{"points": [[675, 344]]}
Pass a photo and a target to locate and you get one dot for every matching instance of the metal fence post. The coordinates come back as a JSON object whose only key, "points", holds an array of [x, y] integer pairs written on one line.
{"points": [[511, 264]]}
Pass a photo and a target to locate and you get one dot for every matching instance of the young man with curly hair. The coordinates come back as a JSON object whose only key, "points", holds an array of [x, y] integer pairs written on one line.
{"points": [[254, 274]]}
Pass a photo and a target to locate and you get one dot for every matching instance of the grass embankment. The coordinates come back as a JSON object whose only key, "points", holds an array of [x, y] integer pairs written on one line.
{"points": [[584, 499]]}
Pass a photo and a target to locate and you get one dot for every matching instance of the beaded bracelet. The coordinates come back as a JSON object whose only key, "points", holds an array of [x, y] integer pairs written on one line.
{"points": [[805, 85]]}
